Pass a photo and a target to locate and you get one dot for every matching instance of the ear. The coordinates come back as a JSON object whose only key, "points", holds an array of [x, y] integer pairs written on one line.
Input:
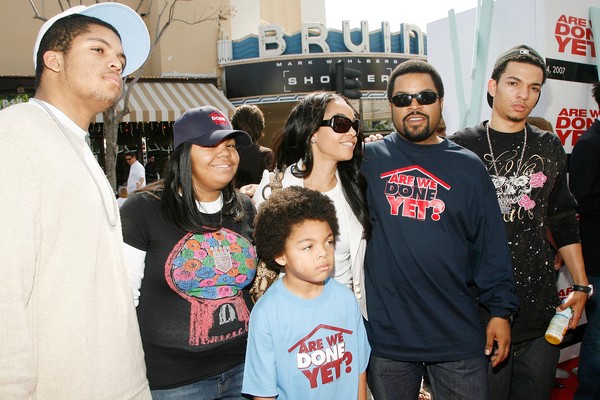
{"points": [[492, 86], [281, 260], [53, 60]]}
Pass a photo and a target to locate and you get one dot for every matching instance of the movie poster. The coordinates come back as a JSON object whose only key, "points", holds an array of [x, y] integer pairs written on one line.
{"points": [[571, 63]]}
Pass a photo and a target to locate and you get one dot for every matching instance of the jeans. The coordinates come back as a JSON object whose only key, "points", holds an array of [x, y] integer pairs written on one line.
{"points": [[397, 380], [528, 373], [589, 353], [225, 386]]}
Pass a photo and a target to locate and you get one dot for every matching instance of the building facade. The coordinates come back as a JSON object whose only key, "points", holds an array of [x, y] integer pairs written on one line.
{"points": [[224, 53]]}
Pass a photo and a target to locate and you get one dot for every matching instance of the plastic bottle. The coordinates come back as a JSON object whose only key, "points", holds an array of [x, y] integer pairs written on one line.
{"points": [[558, 326]]}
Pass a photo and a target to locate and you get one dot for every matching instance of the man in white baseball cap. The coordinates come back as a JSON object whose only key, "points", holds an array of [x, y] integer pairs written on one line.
{"points": [[69, 329], [128, 24]]}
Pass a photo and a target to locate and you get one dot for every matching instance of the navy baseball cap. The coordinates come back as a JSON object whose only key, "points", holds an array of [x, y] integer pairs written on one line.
{"points": [[207, 126]]}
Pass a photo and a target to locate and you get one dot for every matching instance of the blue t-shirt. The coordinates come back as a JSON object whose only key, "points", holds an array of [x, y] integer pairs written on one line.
{"points": [[306, 349]]}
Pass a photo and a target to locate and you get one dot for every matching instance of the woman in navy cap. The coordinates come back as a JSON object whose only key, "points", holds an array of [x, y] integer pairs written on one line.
{"points": [[188, 248]]}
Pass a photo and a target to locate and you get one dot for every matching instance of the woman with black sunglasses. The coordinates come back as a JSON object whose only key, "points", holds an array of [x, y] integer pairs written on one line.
{"points": [[320, 148]]}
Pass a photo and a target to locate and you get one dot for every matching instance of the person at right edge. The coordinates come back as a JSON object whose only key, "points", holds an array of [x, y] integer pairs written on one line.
{"points": [[436, 232], [584, 181], [529, 170]]}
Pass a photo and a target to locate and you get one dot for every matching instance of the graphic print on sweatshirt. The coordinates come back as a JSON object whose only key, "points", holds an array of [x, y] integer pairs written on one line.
{"points": [[321, 355], [209, 270], [412, 192], [514, 183]]}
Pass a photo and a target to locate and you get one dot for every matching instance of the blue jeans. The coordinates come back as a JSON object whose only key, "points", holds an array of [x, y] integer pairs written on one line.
{"points": [[589, 354], [225, 386], [397, 380], [528, 373]]}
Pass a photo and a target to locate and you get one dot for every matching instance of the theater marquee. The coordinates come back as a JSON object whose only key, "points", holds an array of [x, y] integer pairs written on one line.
{"points": [[276, 67], [281, 79]]}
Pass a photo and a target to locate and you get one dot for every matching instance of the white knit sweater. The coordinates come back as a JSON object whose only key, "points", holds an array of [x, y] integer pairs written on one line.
{"points": [[68, 328]]}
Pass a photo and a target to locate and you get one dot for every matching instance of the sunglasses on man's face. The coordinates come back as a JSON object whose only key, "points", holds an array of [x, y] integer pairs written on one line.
{"points": [[341, 124], [423, 98]]}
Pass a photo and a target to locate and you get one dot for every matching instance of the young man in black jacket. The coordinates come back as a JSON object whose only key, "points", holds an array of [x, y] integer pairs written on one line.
{"points": [[529, 170]]}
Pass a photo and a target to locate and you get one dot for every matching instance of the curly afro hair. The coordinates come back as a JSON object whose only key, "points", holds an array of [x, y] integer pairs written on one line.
{"points": [[283, 211]]}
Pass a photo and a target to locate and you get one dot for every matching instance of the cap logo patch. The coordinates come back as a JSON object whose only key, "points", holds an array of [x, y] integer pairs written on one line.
{"points": [[219, 119], [524, 51]]}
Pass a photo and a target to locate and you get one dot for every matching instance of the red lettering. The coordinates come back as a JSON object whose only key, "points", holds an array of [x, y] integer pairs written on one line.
{"points": [[407, 179], [315, 345], [312, 376], [413, 208], [578, 123], [562, 122], [335, 339], [577, 112], [395, 203], [561, 29], [426, 183], [562, 41], [594, 114], [563, 135], [576, 136], [328, 373], [562, 293], [579, 47]]}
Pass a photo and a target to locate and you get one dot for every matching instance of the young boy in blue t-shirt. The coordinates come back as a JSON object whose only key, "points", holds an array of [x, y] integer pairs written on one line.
{"points": [[306, 338]]}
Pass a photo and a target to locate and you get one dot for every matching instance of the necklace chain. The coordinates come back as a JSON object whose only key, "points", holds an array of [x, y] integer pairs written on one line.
{"points": [[494, 161], [112, 213]]}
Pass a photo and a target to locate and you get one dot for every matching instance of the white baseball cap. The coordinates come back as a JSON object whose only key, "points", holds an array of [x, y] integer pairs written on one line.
{"points": [[134, 33]]}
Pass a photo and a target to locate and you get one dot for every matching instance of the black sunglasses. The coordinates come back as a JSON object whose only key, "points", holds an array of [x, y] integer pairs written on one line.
{"points": [[423, 98], [341, 124]]}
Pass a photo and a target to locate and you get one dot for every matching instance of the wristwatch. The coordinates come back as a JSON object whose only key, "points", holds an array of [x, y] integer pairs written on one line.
{"points": [[589, 289]]}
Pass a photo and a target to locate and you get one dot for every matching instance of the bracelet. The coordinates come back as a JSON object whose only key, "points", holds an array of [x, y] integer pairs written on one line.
{"points": [[589, 289]]}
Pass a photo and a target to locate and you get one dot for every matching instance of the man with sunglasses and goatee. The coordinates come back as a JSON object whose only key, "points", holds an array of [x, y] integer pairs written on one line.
{"points": [[529, 169], [437, 234]]}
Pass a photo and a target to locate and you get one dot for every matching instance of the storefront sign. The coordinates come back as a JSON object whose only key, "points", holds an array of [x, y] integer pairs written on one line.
{"points": [[303, 74]]}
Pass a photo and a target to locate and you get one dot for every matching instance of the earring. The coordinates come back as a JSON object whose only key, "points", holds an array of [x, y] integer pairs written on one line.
{"points": [[313, 140]]}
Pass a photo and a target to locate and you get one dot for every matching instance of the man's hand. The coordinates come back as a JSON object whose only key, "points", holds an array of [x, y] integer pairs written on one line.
{"points": [[373, 138], [498, 331], [577, 301]]}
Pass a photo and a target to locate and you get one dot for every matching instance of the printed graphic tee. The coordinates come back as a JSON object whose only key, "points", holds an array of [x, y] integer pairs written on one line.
{"points": [[306, 349], [194, 308], [532, 185]]}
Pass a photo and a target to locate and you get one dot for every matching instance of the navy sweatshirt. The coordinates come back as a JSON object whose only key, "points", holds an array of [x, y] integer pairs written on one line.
{"points": [[437, 234]]}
